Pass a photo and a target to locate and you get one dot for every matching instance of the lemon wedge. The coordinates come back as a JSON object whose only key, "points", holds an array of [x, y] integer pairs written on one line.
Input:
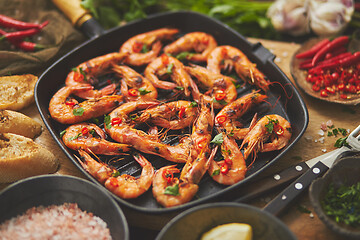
{"points": [[230, 231]]}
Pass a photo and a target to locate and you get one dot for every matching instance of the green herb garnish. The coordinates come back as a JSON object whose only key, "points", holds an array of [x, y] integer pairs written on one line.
{"points": [[179, 88], [107, 121], [78, 111], [343, 205], [172, 190], [341, 142], [74, 137], [216, 172], [270, 125], [193, 104], [169, 68], [62, 133], [218, 139], [143, 91], [222, 101]]}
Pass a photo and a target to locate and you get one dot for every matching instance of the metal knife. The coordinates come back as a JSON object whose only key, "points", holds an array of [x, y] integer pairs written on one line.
{"points": [[317, 167]]}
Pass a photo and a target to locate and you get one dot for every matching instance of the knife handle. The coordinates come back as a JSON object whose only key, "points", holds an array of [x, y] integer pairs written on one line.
{"points": [[282, 200], [266, 184]]}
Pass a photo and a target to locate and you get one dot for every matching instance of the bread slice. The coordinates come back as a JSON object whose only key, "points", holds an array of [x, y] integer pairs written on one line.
{"points": [[17, 91], [18, 123], [21, 157]]}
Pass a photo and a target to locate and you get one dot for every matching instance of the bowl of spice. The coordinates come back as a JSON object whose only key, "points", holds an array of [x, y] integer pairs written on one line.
{"points": [[59, 207], [336, 197]]}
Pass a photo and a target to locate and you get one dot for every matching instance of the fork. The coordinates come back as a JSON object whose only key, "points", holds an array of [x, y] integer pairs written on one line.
{"points": [[319, 165]]}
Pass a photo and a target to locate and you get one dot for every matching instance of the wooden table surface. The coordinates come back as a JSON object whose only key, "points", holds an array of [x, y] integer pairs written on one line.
{"points": [[304, 225]]}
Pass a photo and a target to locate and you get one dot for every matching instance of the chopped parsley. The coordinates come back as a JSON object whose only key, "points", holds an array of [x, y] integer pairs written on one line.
{"points": [[172, 190], [143, 91], [107, 121], [78, 111], [218, 139], [62, 133], [343, 205], [270, 125], [169, 68], [216, 172], [193, 104]]}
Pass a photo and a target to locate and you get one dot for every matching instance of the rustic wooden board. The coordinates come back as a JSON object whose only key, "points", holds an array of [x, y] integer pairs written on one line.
{"points": [[302, 224]]}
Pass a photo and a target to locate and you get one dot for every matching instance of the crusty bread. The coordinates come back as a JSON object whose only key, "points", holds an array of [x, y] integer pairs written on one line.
{"points": [[18, 123], [21, 157], [17, 91]]}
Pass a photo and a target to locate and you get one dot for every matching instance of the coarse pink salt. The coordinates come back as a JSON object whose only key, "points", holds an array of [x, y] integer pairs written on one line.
{"points": [[63, 222]]}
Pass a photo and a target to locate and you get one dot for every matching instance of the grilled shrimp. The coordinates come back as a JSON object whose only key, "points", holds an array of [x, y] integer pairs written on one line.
{"points": [[67, 110], [226, 119], [124, 132], [233, 168], [273, 127], [172, 115], [221, 89], [91, 138], [169, 191], [87, 72], [168, 67], [124, 186], [228, 57], [200, 42], [145, 47], [127, 186], [141, 88]]}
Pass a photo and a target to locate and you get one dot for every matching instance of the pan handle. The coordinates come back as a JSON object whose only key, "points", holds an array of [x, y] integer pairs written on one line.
{"points": [[80, 17]]}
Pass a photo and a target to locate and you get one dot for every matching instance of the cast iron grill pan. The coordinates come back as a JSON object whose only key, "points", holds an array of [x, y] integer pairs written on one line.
{"points": [[292, 108]]}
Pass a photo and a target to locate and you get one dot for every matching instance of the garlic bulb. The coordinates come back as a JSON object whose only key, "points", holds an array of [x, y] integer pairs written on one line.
{"points": [[299, 17], [330, 17], [289, 16]]}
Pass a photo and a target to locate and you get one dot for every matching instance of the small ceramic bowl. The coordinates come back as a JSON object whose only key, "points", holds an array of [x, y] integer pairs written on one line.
{"points": [[49, 190], [194, 222], [345, 171]]}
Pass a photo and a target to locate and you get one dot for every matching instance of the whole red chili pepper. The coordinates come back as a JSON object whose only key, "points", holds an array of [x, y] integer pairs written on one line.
{"points": [[9, 22], [19, 35], [334, 44], [24, 45], [353, 59], [312, 51]]}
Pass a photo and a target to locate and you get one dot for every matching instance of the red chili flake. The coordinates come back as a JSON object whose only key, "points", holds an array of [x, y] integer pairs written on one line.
{"points": [[133, 92], [182, 112], [228, 161], [165, 59], [343, 96], [116, 121], [323, 93], [137, 47], [70, 103], [84, 131], [220, 95], [221, 119]]}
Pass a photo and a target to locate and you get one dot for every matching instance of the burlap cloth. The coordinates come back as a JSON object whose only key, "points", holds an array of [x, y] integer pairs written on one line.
{"points": [[59, 36]]}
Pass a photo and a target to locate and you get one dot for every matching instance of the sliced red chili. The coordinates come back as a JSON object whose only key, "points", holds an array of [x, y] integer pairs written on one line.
{"points": [[137, 47], [113, 182], [182, 112], [224, 169], [84, 131], [330, 90], [133, 92], [315, 87], [78, 77], [201, 144], [279, 130], [343, 96], [341, 87], [70, 103], [323, 93], [220, 95], [116, 121], [228, 161], [221, 119], [168, 176]]}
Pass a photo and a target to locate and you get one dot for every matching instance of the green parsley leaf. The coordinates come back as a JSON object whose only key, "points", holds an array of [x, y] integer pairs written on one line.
{"points": [[222, 101], [193, 104], [115, 174], [74, 137], [78, 111], [216, 172], [144, 48], [169, 68], [62, 133], [218, 139], [107, 121], [143, 91], [179, 88], [172, 190], [183, 55], [341, 142]]}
